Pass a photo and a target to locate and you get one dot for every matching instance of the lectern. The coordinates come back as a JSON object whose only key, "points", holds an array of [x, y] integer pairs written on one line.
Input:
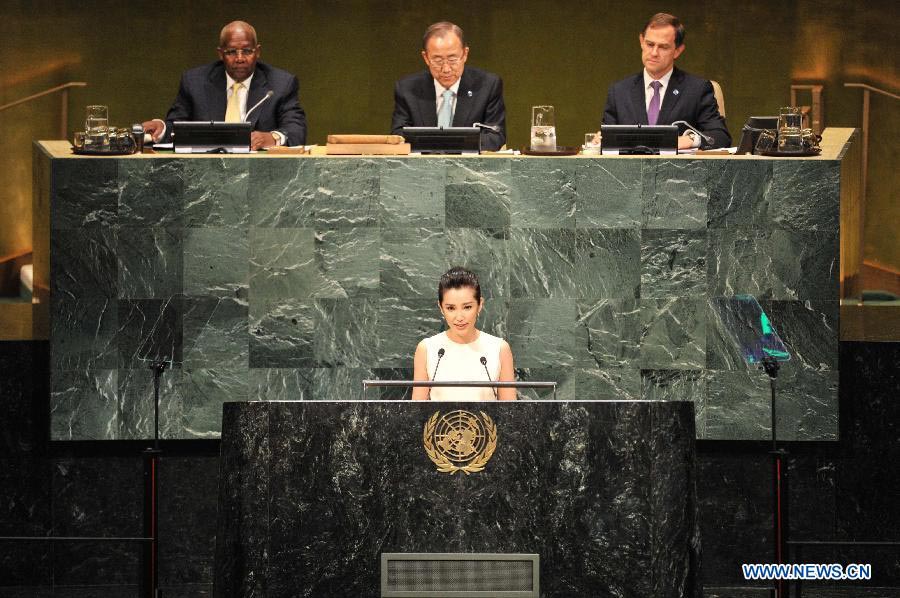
{"points": [[313, 493]]}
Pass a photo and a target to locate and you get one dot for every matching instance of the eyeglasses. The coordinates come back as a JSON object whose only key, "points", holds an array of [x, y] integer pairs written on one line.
{"points": [[245, 52], [452, 61]]}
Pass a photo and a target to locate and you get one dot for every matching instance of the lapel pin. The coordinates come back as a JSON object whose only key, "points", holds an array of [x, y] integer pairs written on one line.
{"points": [[469, 93], [674, 92]]}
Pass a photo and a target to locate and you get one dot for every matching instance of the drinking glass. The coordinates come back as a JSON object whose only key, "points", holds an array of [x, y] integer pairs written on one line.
{"points": [[591, 143], [543, 128], [790, 140], [789, 117], [765, 142], [96, 125]]}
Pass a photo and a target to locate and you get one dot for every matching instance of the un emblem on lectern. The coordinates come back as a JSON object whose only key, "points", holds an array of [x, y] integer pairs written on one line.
{"points": [[460, 441]]}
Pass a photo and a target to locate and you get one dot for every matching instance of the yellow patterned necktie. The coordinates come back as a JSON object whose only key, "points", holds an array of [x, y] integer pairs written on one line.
{"points": [[233, 112]]}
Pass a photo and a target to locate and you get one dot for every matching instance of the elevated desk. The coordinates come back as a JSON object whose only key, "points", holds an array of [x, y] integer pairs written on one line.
{"points": [[312, 493], [285, 277]]}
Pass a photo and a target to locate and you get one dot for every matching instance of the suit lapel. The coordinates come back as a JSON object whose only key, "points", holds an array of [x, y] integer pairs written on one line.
{"points": [[672, 97], [639, 100], [427, 101], [259, 85], [216, 93], [464, 100]]}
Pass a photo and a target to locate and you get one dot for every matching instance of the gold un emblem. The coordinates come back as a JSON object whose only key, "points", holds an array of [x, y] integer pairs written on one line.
{"points": [[460, 441]]}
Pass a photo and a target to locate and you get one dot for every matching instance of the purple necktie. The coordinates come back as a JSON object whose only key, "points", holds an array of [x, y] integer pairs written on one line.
{"points": [[653, 110]]}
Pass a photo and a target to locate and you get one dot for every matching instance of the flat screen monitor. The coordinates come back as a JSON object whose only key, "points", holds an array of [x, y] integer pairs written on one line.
{"points": [[639, 139], [443, 140], [203, 137]]}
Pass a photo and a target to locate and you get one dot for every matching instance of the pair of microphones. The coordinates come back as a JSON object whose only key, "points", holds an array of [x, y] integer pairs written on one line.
{"points": [[483, 361]]}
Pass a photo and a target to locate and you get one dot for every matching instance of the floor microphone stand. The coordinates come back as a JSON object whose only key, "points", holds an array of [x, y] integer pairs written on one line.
{"points": [[150, 568], [779, 478]]}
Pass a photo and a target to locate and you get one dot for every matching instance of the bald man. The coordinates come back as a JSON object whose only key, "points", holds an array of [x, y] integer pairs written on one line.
{"points": [[232, 88]]}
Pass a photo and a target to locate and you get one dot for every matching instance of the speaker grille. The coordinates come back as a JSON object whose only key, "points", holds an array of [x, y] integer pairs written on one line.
{"points": [[447, 575]]}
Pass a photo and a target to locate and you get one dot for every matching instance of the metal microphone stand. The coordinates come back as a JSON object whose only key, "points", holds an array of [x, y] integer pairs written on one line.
{"points": [[150, 577], [779, 478]]}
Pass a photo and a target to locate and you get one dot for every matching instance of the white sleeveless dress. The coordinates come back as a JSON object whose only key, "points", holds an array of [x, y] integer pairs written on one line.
{"points": [[463, 362]]}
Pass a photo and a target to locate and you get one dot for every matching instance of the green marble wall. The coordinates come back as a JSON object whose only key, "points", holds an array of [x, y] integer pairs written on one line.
{"points": [[295, 279]]}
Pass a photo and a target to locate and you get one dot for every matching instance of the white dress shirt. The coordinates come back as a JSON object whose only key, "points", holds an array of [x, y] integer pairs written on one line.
{"points": [[648, 95], [439, 91]]}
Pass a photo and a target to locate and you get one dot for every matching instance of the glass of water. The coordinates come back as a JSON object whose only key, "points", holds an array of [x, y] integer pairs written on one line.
{"points": [[96, 124], [543, 128]]}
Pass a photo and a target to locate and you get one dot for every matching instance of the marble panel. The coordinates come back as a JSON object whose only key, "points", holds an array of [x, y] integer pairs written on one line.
{"points": [[543, 263], [215, 333], [479, 193], [84, 264], [216, 192], [773, 264], [151, 193], [84, 405], [412, 261], [150, 262], [281, 193], [402, 323], [805, 195], [738, 194], [673, 263], [149, 329], [541, 332], [216, 262], [608, 333], [347, 193], [678, 385], [412, 192], [84, 193], [136, 396], [24, 511], [83, 334], [544, 192], [582, 384], [607, 263], [311, 384], [673, 333], [485, 251], [674, 194], [608, 194], [201, 394]]}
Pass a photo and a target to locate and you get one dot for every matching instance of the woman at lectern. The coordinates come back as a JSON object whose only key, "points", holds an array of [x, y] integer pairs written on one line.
{"points": [[462, 352]]}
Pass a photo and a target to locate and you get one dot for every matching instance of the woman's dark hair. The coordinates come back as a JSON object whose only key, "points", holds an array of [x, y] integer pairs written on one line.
{"points": [[457, 278]]}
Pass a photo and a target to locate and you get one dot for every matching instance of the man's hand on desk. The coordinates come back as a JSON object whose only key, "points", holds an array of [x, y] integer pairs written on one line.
{"points": [[260, 139], [156, 128], [685, 142]]}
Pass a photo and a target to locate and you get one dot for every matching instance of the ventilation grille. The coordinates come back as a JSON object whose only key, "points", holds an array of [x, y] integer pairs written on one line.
{"points": [[450, 575]]}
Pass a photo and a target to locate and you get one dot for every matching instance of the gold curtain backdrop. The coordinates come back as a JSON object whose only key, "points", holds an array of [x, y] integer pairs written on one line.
{"points": [[348, 53]]}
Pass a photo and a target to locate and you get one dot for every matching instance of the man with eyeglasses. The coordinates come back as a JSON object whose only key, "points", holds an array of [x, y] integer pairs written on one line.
{"points": [[234, 89], [449, 93]]}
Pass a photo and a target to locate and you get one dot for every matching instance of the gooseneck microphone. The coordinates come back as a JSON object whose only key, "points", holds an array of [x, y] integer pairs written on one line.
{"points": [[688, 125], [268, 95], [484, 363], [440, 354]]}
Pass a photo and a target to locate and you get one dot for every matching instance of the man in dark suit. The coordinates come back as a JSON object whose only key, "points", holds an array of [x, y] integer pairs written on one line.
{"points": [[663, 94], [234, 89], [449, 93]]}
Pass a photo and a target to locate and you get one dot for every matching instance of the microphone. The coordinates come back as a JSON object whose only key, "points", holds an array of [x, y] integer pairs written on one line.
{"points": [[688, 125], [493, 128], [440, 355], [268, 95], [484, 363]]}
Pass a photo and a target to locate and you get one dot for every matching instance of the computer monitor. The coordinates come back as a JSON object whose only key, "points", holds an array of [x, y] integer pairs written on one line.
{"points": [[443, 140], [639, 139], [203, 137]]}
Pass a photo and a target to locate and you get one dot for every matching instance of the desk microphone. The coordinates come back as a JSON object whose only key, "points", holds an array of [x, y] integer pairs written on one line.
{"points": [[493, 128], [440, 354], [268, 95], [688, 125], [484, 363]]}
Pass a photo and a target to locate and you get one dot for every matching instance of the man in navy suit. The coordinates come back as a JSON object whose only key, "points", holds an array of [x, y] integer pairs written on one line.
{"points": [[234, 89], [449, 93], [663, 94]]}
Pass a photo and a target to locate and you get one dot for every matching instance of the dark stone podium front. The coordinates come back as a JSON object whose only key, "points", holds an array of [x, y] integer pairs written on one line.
{"points": [[313, 492]]}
